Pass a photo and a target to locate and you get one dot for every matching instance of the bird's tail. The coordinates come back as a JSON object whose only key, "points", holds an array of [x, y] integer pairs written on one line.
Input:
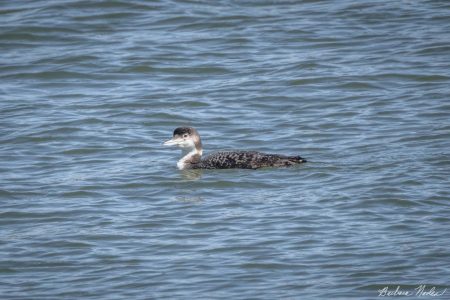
{"points": [[296, 159], [286, 161]]}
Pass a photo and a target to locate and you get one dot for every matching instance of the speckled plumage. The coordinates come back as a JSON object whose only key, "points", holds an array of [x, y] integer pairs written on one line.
{"points": [[245, 160], [188, 139]]}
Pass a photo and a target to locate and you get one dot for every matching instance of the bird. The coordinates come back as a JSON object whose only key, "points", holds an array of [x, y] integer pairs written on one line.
{"points": [[188, 139]]}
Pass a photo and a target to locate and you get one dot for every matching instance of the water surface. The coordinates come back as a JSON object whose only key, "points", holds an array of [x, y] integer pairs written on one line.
{"points": [[93, 207]]}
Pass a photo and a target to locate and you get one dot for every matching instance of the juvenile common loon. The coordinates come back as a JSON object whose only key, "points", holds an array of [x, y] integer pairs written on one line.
{"points": [[188, 139]]}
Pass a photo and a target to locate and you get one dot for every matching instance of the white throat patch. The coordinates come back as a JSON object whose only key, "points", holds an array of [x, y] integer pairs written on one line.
{"points": [[181, 164]]}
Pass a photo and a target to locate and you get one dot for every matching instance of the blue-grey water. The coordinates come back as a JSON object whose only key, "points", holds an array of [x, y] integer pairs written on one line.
{"points": [[93, 207]]}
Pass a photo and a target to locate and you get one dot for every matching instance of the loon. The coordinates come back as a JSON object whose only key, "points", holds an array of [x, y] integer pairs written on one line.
{"points": [[188, 139]]}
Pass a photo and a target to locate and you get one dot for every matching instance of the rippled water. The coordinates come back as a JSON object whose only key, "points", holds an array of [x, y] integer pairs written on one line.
{"points": [[93, 207]]}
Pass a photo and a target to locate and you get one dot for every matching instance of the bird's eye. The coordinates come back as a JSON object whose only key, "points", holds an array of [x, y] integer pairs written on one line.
{"points": [[185, 135]]}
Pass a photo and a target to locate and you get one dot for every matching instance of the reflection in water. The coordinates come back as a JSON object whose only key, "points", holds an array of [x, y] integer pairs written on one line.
{"points": [[185, 187], [191, 174], [188, 194], [189, 198]]}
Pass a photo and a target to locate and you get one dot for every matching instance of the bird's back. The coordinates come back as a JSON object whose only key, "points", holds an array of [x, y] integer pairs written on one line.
{"points": [[246, 160]]}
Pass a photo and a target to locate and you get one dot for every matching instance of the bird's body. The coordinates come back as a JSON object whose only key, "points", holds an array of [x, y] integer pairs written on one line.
{"points": [[245, 160], [188, 139]]}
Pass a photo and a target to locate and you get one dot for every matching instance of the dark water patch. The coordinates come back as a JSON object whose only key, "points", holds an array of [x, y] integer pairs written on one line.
{"points": [[171, 21], [80, 194], [305, 81], [107, 16], [433, 50], [85, 151], [358, 86], [66, 58], [49, 75], [267, 266], [138, 69], [64, 244], [414, 77], [193, 71], [107, 5]]}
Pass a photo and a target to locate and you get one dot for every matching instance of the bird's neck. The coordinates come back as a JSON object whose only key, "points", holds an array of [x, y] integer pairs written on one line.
{"points": [[189, 158]]}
